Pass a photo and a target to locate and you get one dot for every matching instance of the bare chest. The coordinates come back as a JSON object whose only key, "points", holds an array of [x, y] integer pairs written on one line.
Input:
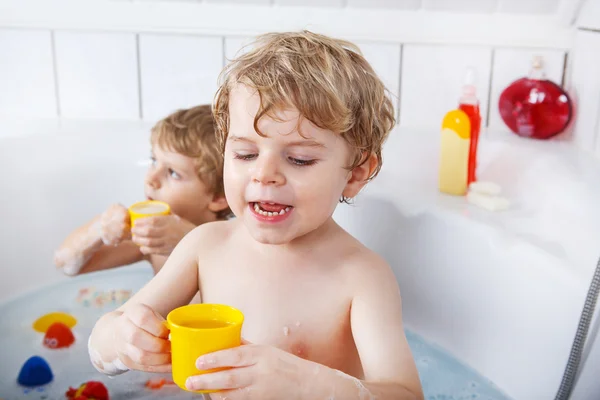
{"points": [[299, 311]]}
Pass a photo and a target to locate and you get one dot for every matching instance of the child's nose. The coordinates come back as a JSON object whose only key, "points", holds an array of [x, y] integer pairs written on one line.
{"points": [[267, 172], [152, 179]]}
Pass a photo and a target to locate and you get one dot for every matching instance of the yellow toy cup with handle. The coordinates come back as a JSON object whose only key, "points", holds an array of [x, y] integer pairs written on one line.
{"points": [[199, 329], [147, 208]]}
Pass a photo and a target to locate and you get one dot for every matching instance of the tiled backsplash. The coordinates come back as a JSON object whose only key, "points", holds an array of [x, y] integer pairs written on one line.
{"points": [[476, 6], [76, 74], [64, 68]]}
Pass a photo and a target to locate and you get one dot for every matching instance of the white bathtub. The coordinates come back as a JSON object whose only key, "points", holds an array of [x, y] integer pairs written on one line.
{"points": [[501, 291]]}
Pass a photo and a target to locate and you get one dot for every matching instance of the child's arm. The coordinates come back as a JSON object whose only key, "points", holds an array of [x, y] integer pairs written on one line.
{"points": [[135, 336], [108, 257], [97, 244], [376, 321]]}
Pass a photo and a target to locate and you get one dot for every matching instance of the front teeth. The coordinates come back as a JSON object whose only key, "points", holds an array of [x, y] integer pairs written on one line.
{"points": [[269, 213]]}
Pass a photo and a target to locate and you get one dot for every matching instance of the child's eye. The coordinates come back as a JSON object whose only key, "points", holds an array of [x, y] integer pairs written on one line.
{"points": [[152, 161], [300, 162], [245, 157], [174, 174]]}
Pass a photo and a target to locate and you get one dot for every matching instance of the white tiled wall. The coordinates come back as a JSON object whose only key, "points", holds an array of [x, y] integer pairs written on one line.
{"points": [[180, 70], [311, 3], [585, 89], [470, 5], [385, 58], [131, 76], [117, 71], [432, 77], [27, 86], [177, 71], [392, 4], [235, 46], [97, 75], [510, 6], [256, 2], [529, 6]]}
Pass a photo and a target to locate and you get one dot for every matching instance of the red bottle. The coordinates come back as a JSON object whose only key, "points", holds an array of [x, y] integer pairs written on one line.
{"points": [[535, 107], [469, 103]]}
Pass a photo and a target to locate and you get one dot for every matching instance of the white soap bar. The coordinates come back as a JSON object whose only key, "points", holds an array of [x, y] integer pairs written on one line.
{"points": [[491, 188], [487, 202]]}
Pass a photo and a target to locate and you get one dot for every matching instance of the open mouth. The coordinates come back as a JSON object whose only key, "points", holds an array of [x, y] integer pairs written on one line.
{"points": [[270, 209]]}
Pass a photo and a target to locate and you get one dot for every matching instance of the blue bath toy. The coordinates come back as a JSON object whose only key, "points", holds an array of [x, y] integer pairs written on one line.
{"points": [[35, 372]]}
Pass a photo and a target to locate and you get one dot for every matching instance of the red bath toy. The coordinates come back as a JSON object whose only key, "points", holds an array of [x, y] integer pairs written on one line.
{"points": [[58, 336], [91, 390]]}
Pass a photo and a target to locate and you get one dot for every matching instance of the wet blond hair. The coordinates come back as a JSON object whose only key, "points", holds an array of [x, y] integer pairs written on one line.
{"points": [[327, 80], [191, 132]]}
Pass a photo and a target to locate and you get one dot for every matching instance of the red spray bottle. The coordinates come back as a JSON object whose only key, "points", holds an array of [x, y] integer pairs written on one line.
{"points": [[469, 103]]}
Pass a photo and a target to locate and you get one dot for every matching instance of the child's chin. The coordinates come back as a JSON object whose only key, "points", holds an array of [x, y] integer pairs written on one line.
{"points": [[274, 237]]}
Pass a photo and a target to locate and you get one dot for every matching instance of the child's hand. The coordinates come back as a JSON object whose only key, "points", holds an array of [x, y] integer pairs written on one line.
{"points": [[141, 339], [160, 234], [114, 225], [258, 372]]}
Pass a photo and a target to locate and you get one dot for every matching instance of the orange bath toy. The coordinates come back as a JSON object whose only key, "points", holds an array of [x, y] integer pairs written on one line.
{"points": [[158, 383]]}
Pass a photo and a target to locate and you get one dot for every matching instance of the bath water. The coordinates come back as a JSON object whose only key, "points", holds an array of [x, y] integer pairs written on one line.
{"points": [[443, 377]]}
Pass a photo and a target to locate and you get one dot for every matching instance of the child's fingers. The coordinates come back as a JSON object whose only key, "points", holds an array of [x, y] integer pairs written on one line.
{"points": [[147, 319], [146, 250], [146, 361], [155, 221], [147, 231], [148, 241], [142, 339]]}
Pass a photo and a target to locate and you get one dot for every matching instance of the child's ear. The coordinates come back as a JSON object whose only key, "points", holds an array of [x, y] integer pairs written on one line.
{"points": [[218, 203], [359, 175]]}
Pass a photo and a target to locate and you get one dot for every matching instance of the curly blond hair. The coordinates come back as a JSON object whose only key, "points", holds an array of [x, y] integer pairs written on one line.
{"points": [[327, 80], [191, 132]]}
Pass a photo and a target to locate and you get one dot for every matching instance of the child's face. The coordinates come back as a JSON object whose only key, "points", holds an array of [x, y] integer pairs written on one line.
{"points": [[303, 176], [172, 178]]}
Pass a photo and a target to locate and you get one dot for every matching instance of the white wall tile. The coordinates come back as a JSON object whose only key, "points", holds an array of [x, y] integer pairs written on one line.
{"points": [[397, 4], [585, 89], [589, 15], [178, 72], [27, 74], [310, 3], [432, 78], [512, 64], [97, 74], [236, 46], [257, 2], [529, 6], [597, 152], [385, 60], [470, 6]]}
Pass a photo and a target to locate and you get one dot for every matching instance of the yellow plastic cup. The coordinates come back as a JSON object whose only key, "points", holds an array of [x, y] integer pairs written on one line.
{"points": [[198, 329], [147, 208]]}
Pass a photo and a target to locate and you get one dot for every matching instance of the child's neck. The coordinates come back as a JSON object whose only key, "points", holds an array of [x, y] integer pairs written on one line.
{"points": [[309, 242]]}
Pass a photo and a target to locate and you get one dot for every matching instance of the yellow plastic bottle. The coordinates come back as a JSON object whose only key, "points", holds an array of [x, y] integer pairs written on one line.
{"points": [[454, 153]]}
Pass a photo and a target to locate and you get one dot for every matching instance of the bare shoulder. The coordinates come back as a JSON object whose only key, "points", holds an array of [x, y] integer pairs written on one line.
{"points": [[365, 268], [211, 234]]}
